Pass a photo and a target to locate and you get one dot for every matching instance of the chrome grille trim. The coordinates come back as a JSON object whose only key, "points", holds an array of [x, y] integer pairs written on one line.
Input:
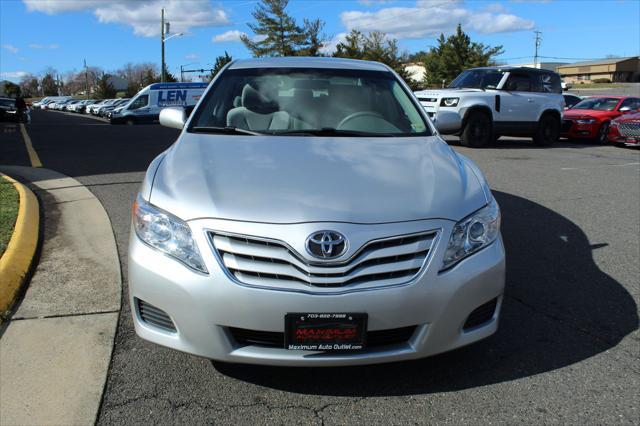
{"points": [[629, 129], [262, 262]]}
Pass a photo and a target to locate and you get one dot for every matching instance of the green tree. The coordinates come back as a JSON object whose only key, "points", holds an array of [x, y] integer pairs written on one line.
{"points": [[104, 89], [12, 89], [455, 54], [49, 87], [132, 89], [314, 38], [29, 86], [149, 77], [168, 77], [221, 61], [352, 47], [375, 46], [278, 34]]}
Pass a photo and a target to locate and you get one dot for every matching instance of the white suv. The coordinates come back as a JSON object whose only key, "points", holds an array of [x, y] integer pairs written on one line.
{"points": [[501, 101]]}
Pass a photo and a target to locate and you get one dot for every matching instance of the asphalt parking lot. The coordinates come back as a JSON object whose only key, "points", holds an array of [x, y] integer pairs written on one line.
{"points": [[568, 345]]}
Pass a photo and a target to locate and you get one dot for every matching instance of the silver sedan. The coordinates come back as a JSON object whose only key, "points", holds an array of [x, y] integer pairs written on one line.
{"points": [[310, 214]]}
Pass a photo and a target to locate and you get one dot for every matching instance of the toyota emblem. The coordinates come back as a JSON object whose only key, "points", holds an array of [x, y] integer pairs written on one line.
{"points": [[326, 244]]}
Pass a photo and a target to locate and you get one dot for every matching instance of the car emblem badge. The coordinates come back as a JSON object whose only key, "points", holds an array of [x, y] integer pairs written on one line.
{"points": [[326, 244]]}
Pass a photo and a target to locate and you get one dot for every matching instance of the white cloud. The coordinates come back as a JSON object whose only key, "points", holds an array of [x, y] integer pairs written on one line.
{"points": [[191, 56], [14, 74], [330, 46], [231, 35], [44, 46], [142, 15], [11, 48], [429, 18]]}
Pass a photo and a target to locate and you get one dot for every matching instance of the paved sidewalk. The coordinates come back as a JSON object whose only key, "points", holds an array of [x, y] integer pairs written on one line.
{"points": [[56, 349]]}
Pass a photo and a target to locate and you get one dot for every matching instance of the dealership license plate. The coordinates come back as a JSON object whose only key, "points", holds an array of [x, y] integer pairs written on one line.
{"points": [[325, 331]]}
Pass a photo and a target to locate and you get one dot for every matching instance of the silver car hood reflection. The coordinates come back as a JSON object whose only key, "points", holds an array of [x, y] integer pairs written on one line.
{"points": [[293, 179]]}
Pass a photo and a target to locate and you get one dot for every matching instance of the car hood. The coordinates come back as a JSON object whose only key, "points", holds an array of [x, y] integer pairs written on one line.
{"points": [[294, 179], [575, 113], [628, 118], [444, 92]]}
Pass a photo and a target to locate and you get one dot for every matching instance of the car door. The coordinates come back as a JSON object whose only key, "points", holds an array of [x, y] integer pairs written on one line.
{"points": [[518, 104], [140, 108]]}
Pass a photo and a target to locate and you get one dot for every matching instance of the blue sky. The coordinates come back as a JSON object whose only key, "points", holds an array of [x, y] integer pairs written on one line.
{"points": [[35, 34]]}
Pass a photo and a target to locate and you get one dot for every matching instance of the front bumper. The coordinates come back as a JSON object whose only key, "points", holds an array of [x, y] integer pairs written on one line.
{"points": [[573, 130], [205, 307]]}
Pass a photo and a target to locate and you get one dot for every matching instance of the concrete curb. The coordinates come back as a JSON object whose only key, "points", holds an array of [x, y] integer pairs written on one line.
{"points": [[55, 350], [17, 259]]}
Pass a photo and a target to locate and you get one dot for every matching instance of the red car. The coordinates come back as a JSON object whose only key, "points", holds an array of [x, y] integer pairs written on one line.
{"points": [[625, 130], [591, 117]]}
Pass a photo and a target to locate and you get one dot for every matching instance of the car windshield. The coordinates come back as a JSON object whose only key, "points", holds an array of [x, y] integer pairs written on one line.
{"points": [[308, 102], [7, 103], [598, 104], [477, 79]]}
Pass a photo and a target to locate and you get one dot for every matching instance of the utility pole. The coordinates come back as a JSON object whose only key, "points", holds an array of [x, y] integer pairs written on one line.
{"points": [[86, 80], [181, 74], [538, 42], [162, 40]]}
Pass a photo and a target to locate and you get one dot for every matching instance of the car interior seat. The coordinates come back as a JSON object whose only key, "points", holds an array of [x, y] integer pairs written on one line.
{"points": [[257, 113]]}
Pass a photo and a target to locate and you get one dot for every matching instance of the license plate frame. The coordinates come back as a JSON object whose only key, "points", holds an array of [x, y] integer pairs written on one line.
{"points": [[325, 332]]}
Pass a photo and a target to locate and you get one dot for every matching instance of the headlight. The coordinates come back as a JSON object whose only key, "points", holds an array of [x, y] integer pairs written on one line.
{"points": [[472, 234], [166, 233], [449, 102], [586, 121]]}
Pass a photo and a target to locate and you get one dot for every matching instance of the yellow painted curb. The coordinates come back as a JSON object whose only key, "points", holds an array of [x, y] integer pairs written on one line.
{"points": [[17, 258]]}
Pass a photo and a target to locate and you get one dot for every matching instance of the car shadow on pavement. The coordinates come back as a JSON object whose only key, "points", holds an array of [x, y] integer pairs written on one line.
{"points": [[559, 309]]}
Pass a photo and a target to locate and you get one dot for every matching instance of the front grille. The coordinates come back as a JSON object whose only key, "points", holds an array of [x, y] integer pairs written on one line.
{"points": [[566, 125], [256, 261], [375, 339], [481, 314], [154, 316], [430, 100], [629, 129]]}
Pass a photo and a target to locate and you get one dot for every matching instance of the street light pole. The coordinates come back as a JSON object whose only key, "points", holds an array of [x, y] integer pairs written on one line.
{"points": [[86, 81], [162, 77]]}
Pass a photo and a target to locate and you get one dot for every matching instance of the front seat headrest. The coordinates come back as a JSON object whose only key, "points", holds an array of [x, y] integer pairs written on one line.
{"points": [[256, 101]]}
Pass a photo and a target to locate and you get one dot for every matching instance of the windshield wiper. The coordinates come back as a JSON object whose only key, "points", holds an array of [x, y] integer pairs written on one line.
{"points": [[328, 131], [229, 130]]}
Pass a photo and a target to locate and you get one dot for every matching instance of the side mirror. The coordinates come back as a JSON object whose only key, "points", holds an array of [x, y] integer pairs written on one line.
{"points": [[447, 122], [625, 109], [173, 117]]}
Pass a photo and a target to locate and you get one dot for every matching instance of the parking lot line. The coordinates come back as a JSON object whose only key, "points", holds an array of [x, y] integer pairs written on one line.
{"points": [[33, 155], [599, 167]]}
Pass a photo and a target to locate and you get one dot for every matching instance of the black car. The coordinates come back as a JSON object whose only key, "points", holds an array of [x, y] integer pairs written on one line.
{"points": [[8, 110]]}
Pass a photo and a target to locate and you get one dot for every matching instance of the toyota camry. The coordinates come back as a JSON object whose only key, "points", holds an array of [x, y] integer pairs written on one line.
{"points": [[309, 213]]}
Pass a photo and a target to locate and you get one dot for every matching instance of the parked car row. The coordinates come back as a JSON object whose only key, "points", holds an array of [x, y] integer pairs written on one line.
{"points": [[614, 119], [518, 101], [86, 106]]}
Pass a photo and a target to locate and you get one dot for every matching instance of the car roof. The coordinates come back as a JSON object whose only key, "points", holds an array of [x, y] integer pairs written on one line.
{"points": [[512, 68], [610, 96], [308, 62]]}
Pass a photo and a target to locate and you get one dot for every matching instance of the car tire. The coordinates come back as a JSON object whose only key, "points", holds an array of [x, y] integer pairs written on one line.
{"points": [[478, 130], [602, 138], [548, 131]]}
